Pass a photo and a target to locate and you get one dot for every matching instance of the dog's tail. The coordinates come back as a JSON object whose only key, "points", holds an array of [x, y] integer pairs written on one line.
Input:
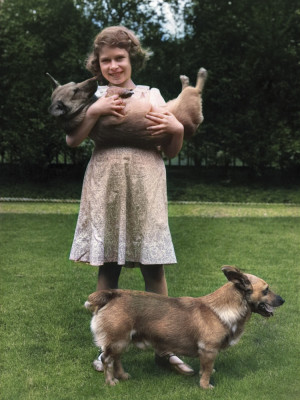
{"points": [[99, 299]]}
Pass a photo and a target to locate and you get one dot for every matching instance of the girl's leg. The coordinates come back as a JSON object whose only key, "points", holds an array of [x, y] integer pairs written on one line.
{"points": [[155, 280], [108, 276]]}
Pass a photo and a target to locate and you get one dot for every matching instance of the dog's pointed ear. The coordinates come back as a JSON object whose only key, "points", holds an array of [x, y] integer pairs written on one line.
{"points": [[235, 276], [55, 84]]}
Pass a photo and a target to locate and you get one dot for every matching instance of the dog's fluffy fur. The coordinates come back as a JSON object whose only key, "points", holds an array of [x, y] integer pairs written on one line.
{"points": [[195, 327], [71, 101]]}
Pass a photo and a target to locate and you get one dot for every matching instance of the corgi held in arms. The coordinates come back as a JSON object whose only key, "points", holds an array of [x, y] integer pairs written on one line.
{"points": [[71, 101]]}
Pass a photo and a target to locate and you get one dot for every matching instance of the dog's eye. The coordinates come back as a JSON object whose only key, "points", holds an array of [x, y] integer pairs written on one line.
{"points": [[76, 91], [265, 292]]}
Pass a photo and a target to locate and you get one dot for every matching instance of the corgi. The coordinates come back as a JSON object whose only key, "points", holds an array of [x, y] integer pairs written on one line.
{"points": [[70, 102], [194, 327]]}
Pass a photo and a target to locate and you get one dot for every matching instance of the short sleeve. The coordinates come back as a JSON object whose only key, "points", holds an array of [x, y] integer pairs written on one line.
{"points": [[101, 90], [156, 98]]}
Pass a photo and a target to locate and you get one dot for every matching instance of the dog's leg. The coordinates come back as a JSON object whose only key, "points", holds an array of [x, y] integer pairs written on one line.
{"points": [[119, 372], [207, 359], [201, 371], [184, 81], [201, 78], [108, 364]]}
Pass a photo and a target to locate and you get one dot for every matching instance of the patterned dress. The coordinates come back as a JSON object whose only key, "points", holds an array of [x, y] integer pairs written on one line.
{"points": [[123, 213]]}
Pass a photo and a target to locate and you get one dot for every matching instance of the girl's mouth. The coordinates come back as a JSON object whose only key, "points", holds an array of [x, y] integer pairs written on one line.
{"points": [[116, 75]]}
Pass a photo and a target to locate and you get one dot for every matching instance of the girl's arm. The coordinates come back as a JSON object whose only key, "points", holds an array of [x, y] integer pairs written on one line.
{"points": [[166, 122], [103, 106]]}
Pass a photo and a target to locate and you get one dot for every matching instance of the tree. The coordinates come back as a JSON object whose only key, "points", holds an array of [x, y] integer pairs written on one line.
{"points": [[37, 36], [251, 50]]}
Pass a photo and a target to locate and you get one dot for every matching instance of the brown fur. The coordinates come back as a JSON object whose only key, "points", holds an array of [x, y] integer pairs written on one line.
{"points": [[195, 327], [71, 101]]}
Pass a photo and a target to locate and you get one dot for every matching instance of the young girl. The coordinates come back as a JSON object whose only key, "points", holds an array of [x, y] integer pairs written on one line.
{"points": [[123, 216]]}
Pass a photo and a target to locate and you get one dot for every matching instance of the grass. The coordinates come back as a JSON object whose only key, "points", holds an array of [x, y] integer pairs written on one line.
{"points": [[46, 344]]}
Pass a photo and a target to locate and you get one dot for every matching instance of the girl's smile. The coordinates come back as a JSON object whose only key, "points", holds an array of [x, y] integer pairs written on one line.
{"points": [[116, 66]]}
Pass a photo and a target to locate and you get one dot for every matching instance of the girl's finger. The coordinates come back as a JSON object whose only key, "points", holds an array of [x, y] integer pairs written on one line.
{"points": [[154, 116], [154, 122], [160, 132], [118, 114], [119, 107], [155, 128], [159, 114]]}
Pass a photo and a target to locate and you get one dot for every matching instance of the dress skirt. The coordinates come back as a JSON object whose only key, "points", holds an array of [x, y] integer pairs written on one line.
{"points": [[123, 215]]}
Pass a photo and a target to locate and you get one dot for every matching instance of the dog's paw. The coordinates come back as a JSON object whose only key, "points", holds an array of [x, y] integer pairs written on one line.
{"points": [[209, 386], [201, 372], [184, 80], [111, 381], [124, 376], [202, 73]]}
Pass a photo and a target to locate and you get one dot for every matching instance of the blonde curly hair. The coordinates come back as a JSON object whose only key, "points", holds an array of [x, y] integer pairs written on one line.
{"points": [[116, 36]]}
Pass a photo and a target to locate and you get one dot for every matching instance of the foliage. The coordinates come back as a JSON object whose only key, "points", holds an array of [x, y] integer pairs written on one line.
{"points": [[251, 51], [37, 36]]}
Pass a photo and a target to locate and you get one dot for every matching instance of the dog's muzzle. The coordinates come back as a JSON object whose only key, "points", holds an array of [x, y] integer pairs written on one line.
{"points": [[267, 310]]}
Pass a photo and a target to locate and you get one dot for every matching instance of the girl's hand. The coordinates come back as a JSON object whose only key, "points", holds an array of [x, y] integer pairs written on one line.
{"points": [[104, 106], [164, 122], [112, 105]]}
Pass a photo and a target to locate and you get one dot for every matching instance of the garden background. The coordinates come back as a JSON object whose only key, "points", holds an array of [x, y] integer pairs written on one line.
{"points": [[233, 192], [251, 50]]}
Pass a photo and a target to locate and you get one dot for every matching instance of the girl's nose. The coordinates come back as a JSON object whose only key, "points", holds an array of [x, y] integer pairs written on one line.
{"points": [[113, 64]]}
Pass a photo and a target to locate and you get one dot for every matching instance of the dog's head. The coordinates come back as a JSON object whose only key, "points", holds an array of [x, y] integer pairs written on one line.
{"points": [[69, 99], [260, 298]]}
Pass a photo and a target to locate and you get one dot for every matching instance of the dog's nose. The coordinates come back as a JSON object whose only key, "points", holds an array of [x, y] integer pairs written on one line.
{"points": [[280, 300]]}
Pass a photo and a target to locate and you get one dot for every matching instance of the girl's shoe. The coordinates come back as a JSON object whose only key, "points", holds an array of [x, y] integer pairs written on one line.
{"points": [[98, 364], [175, 363]]}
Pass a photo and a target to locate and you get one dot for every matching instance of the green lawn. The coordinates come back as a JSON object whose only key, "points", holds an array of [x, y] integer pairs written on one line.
{"points": [[46, 345]]}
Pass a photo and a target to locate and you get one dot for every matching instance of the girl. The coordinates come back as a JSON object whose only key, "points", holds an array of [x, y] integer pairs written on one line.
{"points": [[123, 212]]}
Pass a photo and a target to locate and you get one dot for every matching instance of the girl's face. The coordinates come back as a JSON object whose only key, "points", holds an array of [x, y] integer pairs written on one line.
{"points": [[115, 66]]}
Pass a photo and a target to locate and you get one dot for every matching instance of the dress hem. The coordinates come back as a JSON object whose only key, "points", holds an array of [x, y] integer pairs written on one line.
{"points": [[128, 264]]}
